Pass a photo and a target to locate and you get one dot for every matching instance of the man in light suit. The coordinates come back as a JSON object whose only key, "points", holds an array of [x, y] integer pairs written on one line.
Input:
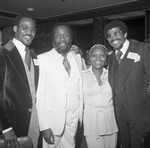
{"points": [[129, 76], [59, 94], [18, 83]]}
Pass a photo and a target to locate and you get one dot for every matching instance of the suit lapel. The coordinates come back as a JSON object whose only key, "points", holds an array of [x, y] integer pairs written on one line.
{"points": [[17, 63], [127, 63], [78, 62], [112, 69]]}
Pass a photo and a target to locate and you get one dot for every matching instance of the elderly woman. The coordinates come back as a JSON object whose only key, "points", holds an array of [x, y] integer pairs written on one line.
{"points": [[100, 127]]}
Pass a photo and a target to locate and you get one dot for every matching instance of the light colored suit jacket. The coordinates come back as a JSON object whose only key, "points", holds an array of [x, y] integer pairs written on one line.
{"points": [[52, 94]]}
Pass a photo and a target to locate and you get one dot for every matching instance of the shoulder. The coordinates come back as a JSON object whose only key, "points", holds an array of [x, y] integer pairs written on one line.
{"points": [[111, 55], [139, 44], [9, 46], [45, 55], [87, 71]]}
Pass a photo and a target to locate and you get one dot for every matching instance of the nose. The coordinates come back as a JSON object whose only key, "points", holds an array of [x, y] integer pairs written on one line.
{"points": [[112, 37], [29, 31], [98, 59], [61, 37]]}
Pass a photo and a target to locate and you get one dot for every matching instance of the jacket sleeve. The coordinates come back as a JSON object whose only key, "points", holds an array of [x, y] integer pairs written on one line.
{"points": [[4, 121]]}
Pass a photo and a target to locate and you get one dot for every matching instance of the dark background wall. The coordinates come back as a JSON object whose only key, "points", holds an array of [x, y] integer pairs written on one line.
{"points": [[136, 29], [83, 34]]}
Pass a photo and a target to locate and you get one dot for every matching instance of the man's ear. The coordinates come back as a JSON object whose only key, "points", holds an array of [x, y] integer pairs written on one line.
{"points": [[15, 29], [125, 35]]}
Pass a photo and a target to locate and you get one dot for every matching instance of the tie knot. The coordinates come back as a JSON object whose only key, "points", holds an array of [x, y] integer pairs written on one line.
{"points": [[119, 53], [65, 56], [27, 49]]}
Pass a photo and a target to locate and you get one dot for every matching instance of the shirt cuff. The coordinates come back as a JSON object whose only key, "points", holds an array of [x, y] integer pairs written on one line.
{"points": [[6, 130]]}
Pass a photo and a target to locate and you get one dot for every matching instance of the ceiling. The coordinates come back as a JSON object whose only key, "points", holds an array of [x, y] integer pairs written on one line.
{"points": [[48, 9]]}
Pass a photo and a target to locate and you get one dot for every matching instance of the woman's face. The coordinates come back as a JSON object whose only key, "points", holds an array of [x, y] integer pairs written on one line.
{"points": [[98, 57]]}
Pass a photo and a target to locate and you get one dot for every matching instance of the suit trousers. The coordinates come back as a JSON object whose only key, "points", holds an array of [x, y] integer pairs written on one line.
{"points": [[128, 136], [67, 138]]}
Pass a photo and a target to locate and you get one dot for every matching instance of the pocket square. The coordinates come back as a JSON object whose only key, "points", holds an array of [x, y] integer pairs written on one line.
{"points": [[137, 58], [134, 56]]}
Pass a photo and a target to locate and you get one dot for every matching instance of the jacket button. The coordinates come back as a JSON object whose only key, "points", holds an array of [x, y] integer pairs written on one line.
{"points": [[30, 110]]}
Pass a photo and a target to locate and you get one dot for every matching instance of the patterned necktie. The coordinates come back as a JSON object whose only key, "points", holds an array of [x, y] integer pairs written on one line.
{"points": [[118, 56], [28, 58], [66, 64]]}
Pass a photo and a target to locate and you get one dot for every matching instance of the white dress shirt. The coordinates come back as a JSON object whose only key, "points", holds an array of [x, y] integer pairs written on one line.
{"points": [[123, 49]]}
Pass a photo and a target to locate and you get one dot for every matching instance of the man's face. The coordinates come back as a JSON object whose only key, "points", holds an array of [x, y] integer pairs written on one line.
{"points": [[62, 39], [116, 38], [25, 31]]}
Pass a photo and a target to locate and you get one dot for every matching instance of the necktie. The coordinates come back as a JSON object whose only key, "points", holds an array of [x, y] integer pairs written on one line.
{"points": [[118, 56], [66, 64], [28, 57]]}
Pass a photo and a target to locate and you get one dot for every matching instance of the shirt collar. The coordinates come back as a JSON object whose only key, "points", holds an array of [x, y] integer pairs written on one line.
{"points": [[124, 48], [59, 56], [20, 47], [18, 44], [90, 70]]}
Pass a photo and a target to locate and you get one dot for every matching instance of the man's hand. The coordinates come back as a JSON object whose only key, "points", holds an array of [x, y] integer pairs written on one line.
{"points": [[10, 140], [48, 136]]}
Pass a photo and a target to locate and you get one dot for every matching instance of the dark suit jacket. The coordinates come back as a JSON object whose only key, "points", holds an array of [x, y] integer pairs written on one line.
{"points": [[15, 96], [134, 77]]}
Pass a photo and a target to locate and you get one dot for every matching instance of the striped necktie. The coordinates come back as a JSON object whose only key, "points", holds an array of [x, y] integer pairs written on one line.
{"points": [[118, 56], [66, 64]]}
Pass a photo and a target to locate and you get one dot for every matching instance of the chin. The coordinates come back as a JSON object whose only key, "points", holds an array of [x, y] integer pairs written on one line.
{"points": [[27, 43], [63, 51], [117, 47]]}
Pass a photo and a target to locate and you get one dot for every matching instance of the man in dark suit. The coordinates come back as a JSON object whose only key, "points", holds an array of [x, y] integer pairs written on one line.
{"points": [[129, 74], [18, 82]]}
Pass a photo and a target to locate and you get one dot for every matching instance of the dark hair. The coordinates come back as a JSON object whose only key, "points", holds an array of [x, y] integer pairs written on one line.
{"points": [[7, 34], [23, 15], [60, 24], [115, 23]]}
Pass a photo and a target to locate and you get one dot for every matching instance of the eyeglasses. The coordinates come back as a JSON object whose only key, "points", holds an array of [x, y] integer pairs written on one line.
{"points": [[114, 34], [27, 28]]}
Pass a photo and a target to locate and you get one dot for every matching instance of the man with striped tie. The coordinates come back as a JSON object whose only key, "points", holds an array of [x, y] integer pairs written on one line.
{"points": [[59, 94]]}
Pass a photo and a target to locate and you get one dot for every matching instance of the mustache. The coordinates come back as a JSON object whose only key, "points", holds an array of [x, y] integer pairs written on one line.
{"points": [[115, 40], [30, 35], [62, 42]]}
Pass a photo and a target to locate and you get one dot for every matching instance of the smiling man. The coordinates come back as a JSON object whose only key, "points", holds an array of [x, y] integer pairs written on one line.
{"points": [[129, 75], [59, 94], [18, 82]]}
